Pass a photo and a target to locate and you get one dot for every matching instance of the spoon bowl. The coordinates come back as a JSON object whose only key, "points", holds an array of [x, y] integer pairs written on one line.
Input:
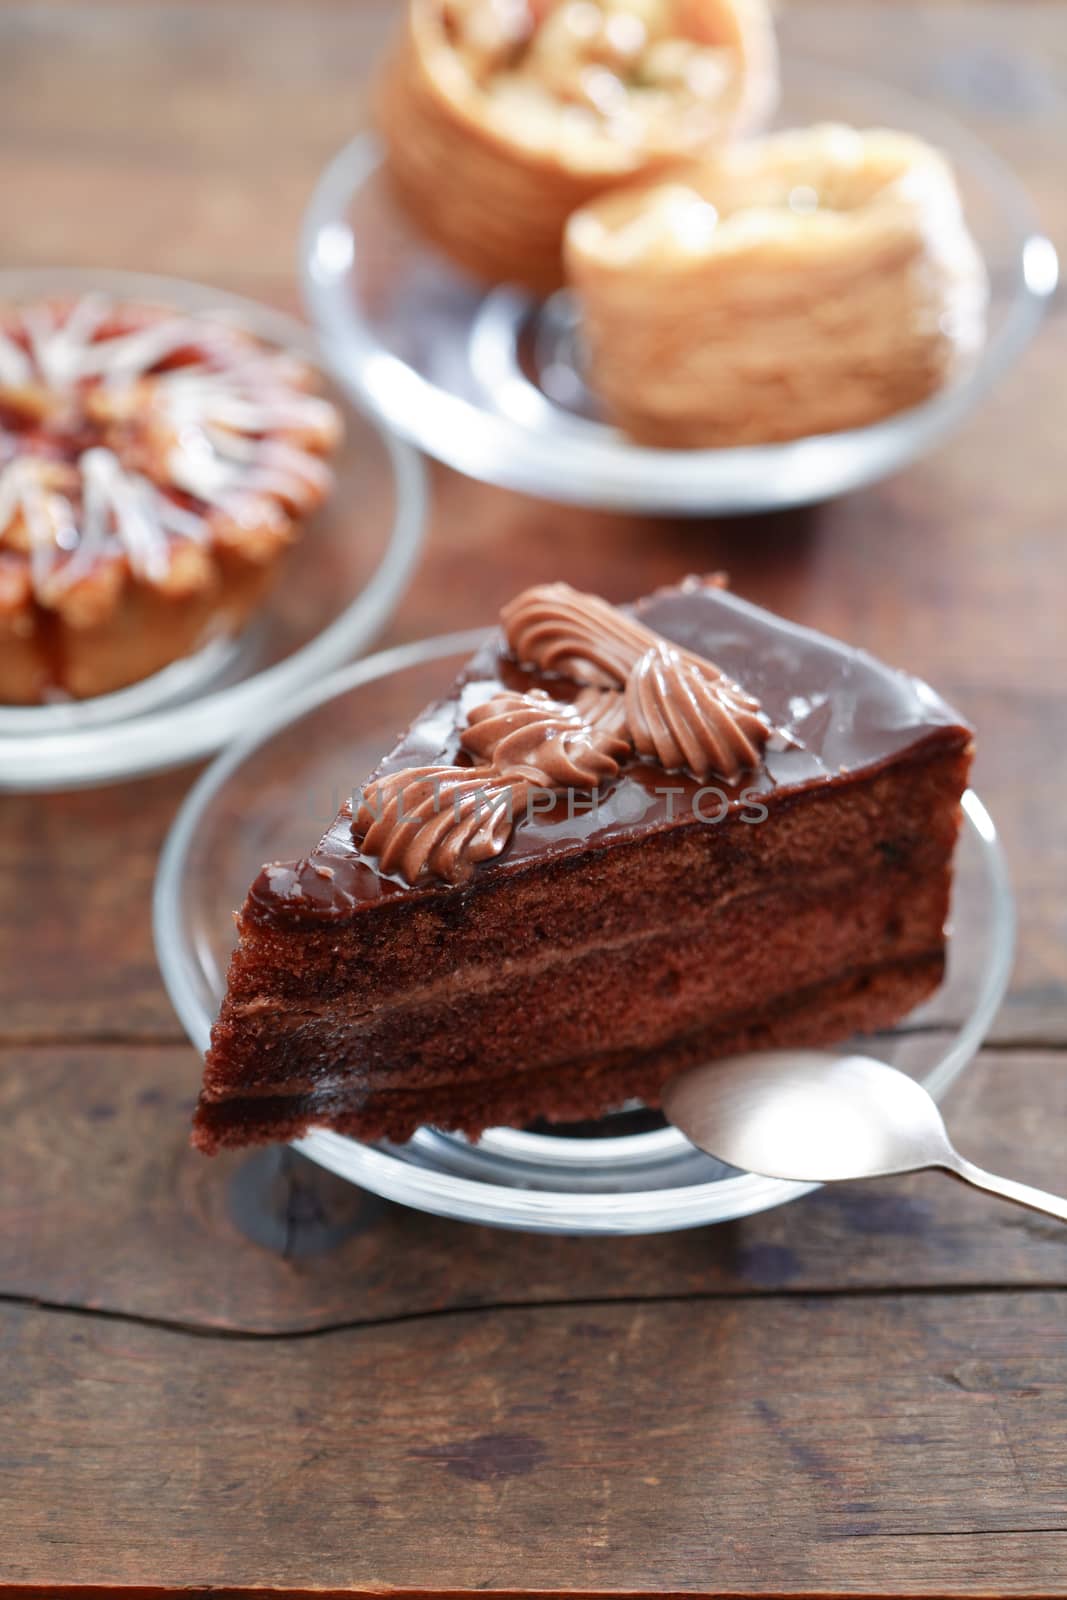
{"points": [[810, 1116]]}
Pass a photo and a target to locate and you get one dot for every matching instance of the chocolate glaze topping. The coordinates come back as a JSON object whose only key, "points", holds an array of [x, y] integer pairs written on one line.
{"points": [[839, 712]]}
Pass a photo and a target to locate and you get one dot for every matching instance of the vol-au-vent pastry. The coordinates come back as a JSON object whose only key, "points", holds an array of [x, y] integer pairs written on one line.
{"points": [[154, 466], [501, 116], [803, 283]]}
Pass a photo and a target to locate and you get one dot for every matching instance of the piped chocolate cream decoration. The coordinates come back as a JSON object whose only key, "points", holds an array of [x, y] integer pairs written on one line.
{"points": [[642, 695], [437, 821], [547, 742], [689, 722], [680, 710], [579, 636], [443, 820]]}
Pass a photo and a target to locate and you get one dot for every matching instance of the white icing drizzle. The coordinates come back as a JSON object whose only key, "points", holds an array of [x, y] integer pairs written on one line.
{"points": [[127, 503], [118, 509], [217, 454], [214, 424], [48, 517], [59, 348], [15, 368]]}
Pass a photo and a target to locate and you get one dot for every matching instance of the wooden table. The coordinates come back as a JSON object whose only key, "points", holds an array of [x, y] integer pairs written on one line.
{"points": [[239, 1374]]}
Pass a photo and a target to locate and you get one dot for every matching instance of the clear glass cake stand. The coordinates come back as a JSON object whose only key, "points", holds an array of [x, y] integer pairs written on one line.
{"points": [[339, 587], [270, 797]]}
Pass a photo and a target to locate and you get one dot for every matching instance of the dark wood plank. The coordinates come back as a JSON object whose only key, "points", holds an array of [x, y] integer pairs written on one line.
{"points": [[103, 1204], [847, 1446], [176, 139], [76, 876]]}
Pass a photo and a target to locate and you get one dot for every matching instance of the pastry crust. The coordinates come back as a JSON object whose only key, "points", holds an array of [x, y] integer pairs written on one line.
{"points": [[805, 283], [490, 163], [154, 467]]}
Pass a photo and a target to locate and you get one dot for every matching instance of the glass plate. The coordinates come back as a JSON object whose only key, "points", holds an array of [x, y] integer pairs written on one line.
{"points": [[339, 586], [490, 382], [271, 796]]}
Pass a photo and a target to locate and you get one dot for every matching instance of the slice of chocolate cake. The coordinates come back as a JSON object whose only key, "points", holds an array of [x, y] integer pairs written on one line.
{"points": [[624, 843]]}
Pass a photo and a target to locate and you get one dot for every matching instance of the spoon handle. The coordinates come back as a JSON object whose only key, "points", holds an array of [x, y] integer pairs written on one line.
{"points": [[1021, 1193]]}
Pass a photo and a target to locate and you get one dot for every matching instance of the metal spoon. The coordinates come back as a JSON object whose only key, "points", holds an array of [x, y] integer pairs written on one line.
{"points": [[813, 1117]]}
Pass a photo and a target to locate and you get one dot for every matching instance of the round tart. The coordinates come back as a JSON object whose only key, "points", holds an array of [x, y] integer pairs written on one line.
{"points": [[154, 466], [801, 284], [502, 116]]}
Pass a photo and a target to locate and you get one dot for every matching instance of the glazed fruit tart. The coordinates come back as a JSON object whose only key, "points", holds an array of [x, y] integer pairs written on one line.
{"points": [[154, 468]]}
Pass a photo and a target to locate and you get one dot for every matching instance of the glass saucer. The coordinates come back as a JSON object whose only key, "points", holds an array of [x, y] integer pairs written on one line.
{"points": [[491, 381], [270, 797], [338, 588]]}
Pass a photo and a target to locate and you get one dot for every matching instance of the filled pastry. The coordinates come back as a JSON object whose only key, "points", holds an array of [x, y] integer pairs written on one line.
{"points": [[799, 284], [502, 116], [154, 466]]}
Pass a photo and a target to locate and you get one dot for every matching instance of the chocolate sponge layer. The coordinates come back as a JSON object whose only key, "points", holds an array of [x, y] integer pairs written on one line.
{"points": [[566, 987]]}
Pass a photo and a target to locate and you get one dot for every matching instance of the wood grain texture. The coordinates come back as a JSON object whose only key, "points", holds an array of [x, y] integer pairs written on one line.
{"points": [[103, 1204], [884, 1445], [274, 1381]]}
